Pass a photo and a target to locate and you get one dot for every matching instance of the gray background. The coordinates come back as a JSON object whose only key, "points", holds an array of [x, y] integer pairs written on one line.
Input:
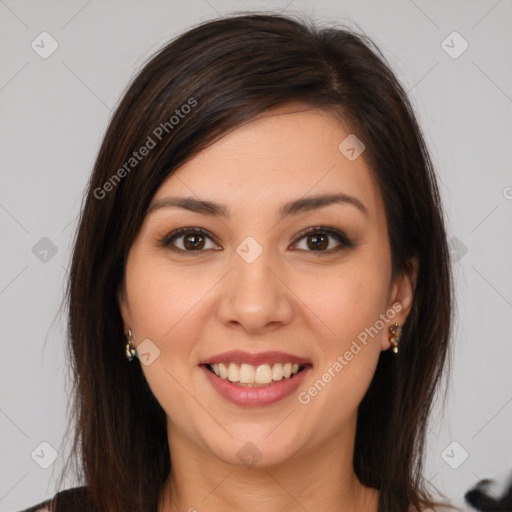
{"points": [[54, 112]]}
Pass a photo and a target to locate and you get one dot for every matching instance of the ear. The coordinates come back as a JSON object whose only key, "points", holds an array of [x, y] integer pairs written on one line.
{"points": [[123, 307], [401, 296]]}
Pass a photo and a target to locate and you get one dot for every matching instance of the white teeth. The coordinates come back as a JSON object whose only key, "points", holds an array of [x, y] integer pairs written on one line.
{"points": [[223, 371], [249, 374], [277, 372], [246, 374], [233, 372], [263, 374]]}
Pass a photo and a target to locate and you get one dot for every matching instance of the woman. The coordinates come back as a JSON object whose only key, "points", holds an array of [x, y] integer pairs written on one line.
{"points": [[260, 296]]}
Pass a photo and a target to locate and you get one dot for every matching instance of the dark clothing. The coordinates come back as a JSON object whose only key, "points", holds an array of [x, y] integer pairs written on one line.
{"points": [[76, 499]]}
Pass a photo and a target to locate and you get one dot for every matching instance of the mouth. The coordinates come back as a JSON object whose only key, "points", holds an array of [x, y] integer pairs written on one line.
{"points": [[255, 376], [255, 380]]}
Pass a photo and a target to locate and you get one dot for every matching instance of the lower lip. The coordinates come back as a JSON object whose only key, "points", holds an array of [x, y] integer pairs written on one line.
{"points": [[251, 397]]}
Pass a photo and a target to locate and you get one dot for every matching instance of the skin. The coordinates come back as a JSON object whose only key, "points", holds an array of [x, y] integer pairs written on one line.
{"points": [[292, 298]]}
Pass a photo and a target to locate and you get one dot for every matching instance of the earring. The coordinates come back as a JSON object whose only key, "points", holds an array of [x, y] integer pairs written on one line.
{"points": [[395, 331], [130, 352]]}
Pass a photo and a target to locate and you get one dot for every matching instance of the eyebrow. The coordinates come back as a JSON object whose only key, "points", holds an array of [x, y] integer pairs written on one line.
{"points": [[291, 208]]}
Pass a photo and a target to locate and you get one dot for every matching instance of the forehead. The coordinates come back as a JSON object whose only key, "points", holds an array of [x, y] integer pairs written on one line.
{"points": [[282, 155]]}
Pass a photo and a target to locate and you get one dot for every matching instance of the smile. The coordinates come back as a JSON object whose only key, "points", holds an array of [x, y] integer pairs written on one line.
{"points": [[255, 376], [255, 379]]}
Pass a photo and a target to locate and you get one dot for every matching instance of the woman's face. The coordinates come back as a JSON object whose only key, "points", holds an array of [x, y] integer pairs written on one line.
{"points": [[306, 283]]}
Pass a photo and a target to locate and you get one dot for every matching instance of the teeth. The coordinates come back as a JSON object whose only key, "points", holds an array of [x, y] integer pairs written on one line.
{"points": [[263, 374], [223, 371], [277, 372], [246, 375], [233, 372], [249, 374]]}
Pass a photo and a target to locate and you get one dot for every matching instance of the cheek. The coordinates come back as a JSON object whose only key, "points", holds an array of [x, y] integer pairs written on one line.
{"points": [[161, 309], [161, 298], [350, 305], [349, 299]]}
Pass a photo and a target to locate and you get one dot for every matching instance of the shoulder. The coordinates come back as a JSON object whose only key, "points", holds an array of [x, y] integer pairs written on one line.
{"points": [[76, 499]]}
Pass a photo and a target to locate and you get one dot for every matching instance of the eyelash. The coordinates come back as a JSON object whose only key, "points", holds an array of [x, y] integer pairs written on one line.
{"points": [[342, 238]]}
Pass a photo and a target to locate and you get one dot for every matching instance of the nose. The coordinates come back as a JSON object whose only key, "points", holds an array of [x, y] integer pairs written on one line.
{"points": [[255, 295]]}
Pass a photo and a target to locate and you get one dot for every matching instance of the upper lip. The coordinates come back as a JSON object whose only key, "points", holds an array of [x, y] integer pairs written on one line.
{"points": [[239, 356]]}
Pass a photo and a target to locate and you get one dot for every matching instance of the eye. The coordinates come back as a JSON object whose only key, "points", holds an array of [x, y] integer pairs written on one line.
{"points": [[192, 240], [195, 240], [317, 239]]}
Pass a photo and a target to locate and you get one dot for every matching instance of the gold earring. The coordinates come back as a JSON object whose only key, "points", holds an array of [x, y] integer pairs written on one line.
{"points": [[130, 352], [395, 331]]}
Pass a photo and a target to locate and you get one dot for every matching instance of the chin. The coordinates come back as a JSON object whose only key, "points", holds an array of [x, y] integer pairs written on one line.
{"points": [[256, 449]]}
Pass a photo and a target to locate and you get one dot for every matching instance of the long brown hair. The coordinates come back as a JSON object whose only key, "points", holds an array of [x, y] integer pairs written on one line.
{"points": [[226, 72]]}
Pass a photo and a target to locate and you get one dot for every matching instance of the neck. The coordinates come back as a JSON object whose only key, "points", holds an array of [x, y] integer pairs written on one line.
{"points": [[321, 478]]}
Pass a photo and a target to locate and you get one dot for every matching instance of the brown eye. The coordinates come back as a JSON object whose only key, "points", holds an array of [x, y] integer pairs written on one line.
{"points": [[319, 240], [193, 241], [188, 240], [316, 241]]}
